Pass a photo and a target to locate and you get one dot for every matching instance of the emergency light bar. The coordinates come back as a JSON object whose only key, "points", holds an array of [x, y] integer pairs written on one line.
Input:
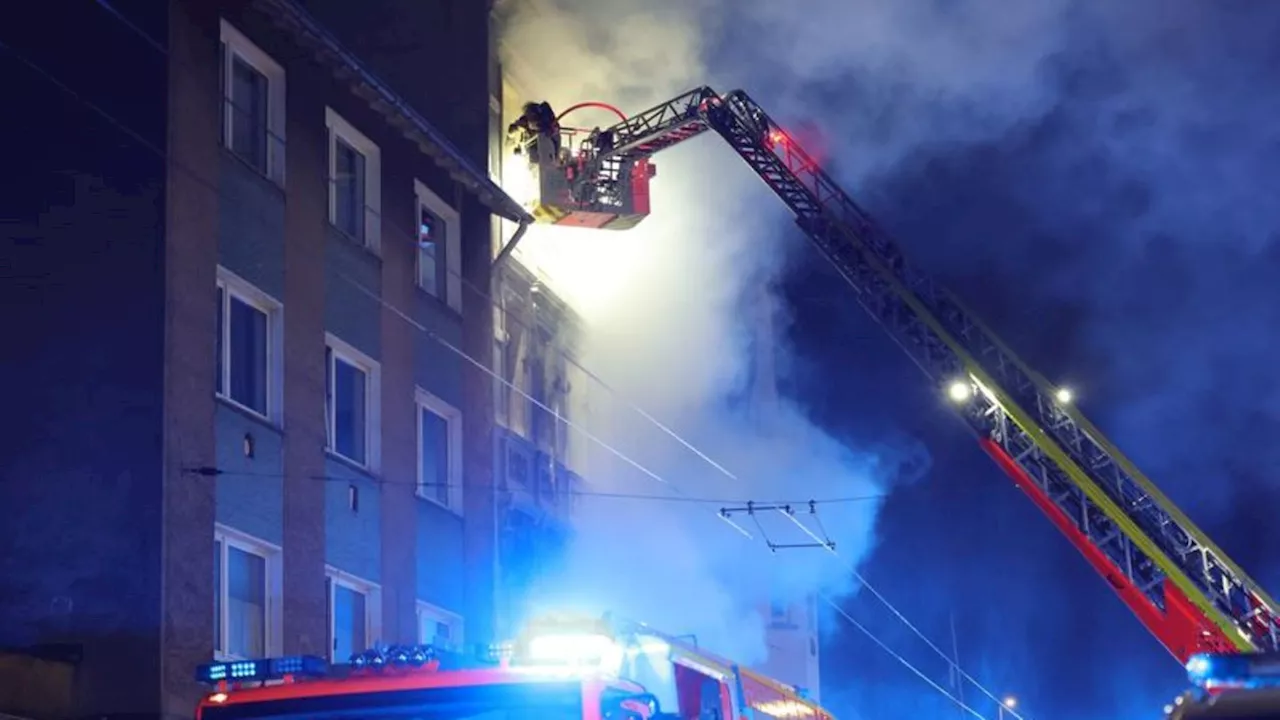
{"points": [[262, 669], [396, 656], [1252, 670]]}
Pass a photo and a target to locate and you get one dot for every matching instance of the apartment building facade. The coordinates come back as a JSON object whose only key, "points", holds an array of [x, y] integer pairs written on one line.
{"points": [[246, 359]]}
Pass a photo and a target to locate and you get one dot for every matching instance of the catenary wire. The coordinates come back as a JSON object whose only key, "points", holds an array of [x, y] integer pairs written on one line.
{"points": [[208, 471], [35, 67]]}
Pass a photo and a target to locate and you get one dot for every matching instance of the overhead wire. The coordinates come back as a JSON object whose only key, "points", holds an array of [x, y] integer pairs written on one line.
{"points": [[643, 469], [359, 476]]}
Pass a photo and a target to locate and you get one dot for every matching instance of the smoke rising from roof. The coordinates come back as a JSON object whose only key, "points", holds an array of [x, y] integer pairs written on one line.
{"points": [[1124, 153], [681, 311]]}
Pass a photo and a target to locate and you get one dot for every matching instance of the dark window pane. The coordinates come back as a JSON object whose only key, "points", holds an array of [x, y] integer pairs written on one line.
{"points": [[348, 623], [434, 444], [328, 398], [246, 603], [217, 596], [248, 355], [348, 189], [249, 113], [217, 383], [349, 421]]}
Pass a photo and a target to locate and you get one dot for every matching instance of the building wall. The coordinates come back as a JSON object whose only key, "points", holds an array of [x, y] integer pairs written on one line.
{"points": [[81, 267], [126, 463], [792, 638]]}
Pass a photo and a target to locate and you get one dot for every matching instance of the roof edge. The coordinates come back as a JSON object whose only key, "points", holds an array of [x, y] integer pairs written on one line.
{"points": [[291, 17]]}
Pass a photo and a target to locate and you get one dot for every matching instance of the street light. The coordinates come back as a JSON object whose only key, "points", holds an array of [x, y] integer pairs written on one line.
{"points": [[1064, 396], [1008, 703], [959, 391]]}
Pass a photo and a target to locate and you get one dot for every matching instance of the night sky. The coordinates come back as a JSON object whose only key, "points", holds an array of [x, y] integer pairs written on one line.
{"points": [[1125, 241]]}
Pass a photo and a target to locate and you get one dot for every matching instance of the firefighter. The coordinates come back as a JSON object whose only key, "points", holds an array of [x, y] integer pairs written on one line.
{"points": [[536, 120], [524, 131]]}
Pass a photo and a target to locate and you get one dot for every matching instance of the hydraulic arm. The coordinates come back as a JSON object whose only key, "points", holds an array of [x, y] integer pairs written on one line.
{"points": [[1181, 585]]}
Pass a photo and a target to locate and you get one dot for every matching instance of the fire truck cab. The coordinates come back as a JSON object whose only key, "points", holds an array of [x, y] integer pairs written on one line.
{"points": [[557, 672]]}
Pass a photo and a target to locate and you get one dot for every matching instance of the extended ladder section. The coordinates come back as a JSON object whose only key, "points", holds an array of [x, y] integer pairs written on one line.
{"points": [[1181, 585]]}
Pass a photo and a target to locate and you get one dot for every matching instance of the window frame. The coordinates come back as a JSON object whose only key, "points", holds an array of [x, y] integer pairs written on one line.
{"points": [[372, 607], [236, 44], [233, 285], [424, 400], [273, 625], [436, 205], [456, 623], [371, 213], [336, 348]]}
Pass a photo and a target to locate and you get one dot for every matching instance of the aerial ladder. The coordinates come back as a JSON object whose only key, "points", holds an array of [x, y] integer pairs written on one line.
{"points": [[1184, 588]]}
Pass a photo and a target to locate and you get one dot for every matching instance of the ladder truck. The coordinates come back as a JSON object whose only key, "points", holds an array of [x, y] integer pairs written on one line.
{"points": [[1182, 586], [561, 667]]}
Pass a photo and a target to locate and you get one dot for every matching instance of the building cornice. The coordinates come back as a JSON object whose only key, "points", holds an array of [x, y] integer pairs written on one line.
{"points": [[350, 71]]}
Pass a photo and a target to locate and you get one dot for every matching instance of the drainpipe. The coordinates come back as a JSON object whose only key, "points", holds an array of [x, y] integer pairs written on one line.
{"points": [[511, 244]]}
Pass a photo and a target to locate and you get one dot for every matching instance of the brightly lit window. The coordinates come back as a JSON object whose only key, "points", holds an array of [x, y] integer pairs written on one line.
{"points": [[246, 578], [247, 346], [253, 96], [355, 182], [351, 403]]}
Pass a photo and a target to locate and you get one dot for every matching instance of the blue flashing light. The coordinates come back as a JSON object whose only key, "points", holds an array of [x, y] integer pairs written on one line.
{"points": [[1252, 670], [261, 669]]}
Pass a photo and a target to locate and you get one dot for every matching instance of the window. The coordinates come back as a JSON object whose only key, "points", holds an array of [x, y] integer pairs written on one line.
{"points": [[439, 247], [355, 168], [439, 627], [502, 364], [353, 612], [439, 451], [246, 579], [247, 346], [351, 403], [501, 392], [253, 93], [536, 385]]}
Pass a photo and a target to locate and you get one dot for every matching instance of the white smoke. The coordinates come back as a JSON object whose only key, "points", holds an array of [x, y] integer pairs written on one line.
{"points": [[676, 307]]}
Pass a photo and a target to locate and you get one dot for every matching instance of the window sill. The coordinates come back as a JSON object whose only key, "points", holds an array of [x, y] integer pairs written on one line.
{"points": [[265, 177], [249, 413], [358, 242], [365, 471], [436, 301], [457, 512]]}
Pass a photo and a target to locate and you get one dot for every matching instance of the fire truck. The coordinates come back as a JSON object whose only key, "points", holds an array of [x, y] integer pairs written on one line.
{"points": [[560, 668]]}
